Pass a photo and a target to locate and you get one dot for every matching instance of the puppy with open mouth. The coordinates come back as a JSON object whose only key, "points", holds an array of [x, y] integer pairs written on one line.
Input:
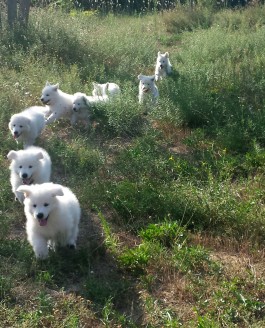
{"points": [[27, 125], [59, 104], [53, 215], [148, 91], [163, 66], [28, 166]]}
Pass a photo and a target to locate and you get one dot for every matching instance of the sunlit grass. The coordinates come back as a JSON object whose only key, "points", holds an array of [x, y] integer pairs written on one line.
{"points": [[163, 195]]}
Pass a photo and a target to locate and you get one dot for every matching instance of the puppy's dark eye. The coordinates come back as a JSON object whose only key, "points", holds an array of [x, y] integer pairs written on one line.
{"points": [[14, 124], [34, 205], [20, 166], [46, 204], [30, 166], [21, 126], [47, 95]]}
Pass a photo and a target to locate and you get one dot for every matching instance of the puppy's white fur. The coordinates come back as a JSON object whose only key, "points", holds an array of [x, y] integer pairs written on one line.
{"points": [[82, 105], [147, 89], [81, 109], [27, 125], [163, 66], [32, 165], [59, 103], [109, 89], [53, 215]]}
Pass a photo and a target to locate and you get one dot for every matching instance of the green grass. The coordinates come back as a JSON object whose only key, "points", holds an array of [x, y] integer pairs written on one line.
{"points": [[172, 228]]}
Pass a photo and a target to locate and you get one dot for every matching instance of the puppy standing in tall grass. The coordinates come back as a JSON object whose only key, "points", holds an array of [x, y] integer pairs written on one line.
{"points": [[53, 215], [27, 125], [32, 165], [163, 66], [148, 90], [82, 106], [59, 103]]}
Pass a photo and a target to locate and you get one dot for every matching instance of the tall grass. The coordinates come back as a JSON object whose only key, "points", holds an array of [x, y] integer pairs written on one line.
{"points": [[152, 187]]}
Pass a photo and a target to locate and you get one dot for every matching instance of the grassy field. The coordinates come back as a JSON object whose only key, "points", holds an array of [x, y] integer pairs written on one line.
{"points": [[172, 228]]}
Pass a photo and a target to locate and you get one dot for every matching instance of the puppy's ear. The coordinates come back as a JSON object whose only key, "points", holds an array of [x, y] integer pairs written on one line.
{"points": [[25, 189], [57, 191], [140, 76], [27, 123], [39, 155], [94, 84], [56, 87], [167, 54], [86, 101], [12, 155], [47, 84], [159, 53]]}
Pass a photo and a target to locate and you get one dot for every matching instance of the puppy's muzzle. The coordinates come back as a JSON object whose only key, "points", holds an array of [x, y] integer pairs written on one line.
{"points": [[16, 134], [41, 219], [26, 180], [45, 102]]}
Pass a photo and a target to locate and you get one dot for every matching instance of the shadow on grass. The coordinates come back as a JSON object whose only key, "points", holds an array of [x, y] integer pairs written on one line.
{"points": [[92, 272]]}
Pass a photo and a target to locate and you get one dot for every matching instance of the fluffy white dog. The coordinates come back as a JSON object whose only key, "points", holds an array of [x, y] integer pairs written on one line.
{"points": [[109, 89], [163, 65], [32, 165], [27, 125], [53, 215], [59, 103], [82, 105], [147, 89]]}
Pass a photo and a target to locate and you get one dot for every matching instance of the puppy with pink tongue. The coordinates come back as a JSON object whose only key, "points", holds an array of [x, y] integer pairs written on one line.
{"points": [[148, 91], [28, 166], [53, 214]]}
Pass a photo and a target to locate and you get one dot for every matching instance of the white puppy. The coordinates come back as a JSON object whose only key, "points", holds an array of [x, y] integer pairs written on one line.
{"points": [[147, 89], [32, 165], [59, 103], [163, 65], [82, 105], [109, 89], [27, 125], [53, 215]]}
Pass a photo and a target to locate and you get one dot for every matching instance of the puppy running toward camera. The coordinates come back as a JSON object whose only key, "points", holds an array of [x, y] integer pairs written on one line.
{"points": [[59, 103], [82, 105], [27, 125], [53, 215], [163, 65], [32, 165], [109, 89], [147, 89]]}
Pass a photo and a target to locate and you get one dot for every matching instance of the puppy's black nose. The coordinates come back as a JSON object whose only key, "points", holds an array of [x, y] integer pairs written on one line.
{"points": [[24, 175], [40, 215], [15, 133]]}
